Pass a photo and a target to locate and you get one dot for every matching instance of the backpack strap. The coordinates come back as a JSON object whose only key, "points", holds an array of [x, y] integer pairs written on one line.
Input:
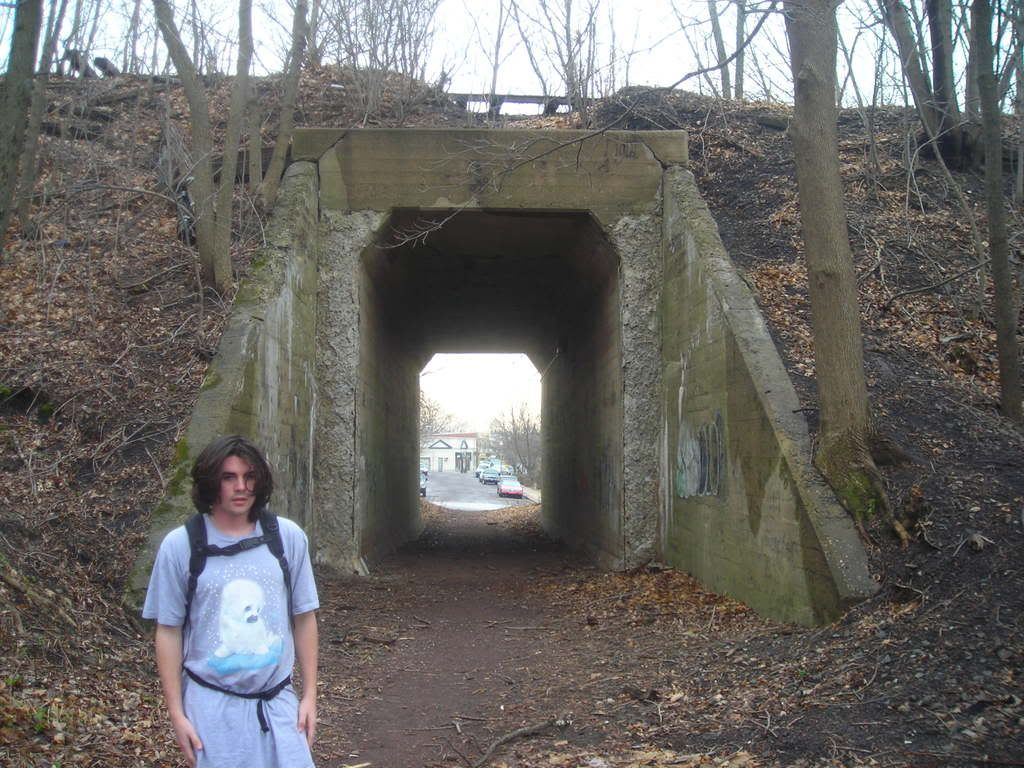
{"points": [[272, 534], [195, 527]]}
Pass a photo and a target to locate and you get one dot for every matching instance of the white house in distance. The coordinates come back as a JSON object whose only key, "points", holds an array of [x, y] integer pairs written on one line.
{"points": [[449, 452]]}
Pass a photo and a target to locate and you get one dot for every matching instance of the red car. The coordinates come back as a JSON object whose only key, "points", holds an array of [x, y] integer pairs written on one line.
{"points": [[509, 486]]}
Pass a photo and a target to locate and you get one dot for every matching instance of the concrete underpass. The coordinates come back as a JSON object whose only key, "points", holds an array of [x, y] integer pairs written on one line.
{"points": [[542, 283], [671, 431]]}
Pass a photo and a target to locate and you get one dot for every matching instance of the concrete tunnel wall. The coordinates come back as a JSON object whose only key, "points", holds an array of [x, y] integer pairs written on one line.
{"points": [[546, 284], [581, 410], [669, 424], [744, 511]]}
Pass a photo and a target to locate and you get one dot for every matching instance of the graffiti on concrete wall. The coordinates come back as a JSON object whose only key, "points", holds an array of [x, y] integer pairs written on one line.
{"points": [[700, 447], [700, 458]]}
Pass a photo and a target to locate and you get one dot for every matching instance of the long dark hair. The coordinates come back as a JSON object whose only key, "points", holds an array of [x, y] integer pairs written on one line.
{"points": [[207, 469]]}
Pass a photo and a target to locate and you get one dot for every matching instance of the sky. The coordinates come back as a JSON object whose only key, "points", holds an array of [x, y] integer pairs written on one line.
{"points": [[650, 47], [476, 388], [469, 27], [462, 28]]}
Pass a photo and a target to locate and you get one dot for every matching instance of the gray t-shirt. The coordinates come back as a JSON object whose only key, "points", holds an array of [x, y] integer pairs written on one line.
{"points": [[238, 637]]}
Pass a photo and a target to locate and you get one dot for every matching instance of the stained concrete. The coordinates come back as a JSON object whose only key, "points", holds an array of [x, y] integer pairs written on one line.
{"points": [[670, 428], [743, 509], [262, 381]]}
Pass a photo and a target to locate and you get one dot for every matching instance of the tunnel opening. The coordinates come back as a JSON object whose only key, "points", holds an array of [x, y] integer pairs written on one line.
{"points": [[542, 283], [480, 454], [479, 410]]}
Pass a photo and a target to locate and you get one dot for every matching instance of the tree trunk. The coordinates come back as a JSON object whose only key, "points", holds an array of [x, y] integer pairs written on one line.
{"points": [[130, 60], [74, 38], [272, 179], [898, 21], [843, 454], [741, 47], [720, 54], [569, 65], [499, 36], [947, 111], [94, 26], [212, 263], [313, 50], [197, 37], [232, 137], [254, 115], [17, 95], [1005, 304], [30, 156], [972, 105], [1018, 111]]}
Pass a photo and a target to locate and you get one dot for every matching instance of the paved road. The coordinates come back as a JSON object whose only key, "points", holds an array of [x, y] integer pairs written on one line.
{"points": [[457, 490]]}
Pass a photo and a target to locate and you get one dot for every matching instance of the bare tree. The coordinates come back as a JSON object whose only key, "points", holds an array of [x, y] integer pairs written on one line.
{"points": [[972, 99], [940, 28], [730, 67], [536, 63], [129, 58], [517, 434], [293, 69], [935, 97], [494, 48], [314, 35], [1005, 304], [434, 419], [213, 210], [16, 97], [688, 24], [846, 431], [232, 137], [379, 38], [254, 132], [865, 112], [84, 26], [722, 56], [29, 160], [741, 48], [1018, 101], [560, 38]]}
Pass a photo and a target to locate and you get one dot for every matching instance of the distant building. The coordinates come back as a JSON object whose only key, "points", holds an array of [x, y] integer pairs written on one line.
{"points": [[449, 452]]}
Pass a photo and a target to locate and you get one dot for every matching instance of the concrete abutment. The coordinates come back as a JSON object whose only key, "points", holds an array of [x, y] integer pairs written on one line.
{"points": [[671, 430]]}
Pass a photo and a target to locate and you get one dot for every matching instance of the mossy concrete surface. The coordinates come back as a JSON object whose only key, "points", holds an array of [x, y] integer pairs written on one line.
{"points": [[261, 383], [744, 510], [609, 174]]}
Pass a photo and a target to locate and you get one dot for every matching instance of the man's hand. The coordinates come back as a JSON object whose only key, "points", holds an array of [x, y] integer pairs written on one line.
{"points": [[306, 651], [168, 664], [307, 718], [188, 739]]}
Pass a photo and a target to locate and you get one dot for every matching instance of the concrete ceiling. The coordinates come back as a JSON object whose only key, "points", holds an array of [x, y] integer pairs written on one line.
{"points": [[489, 281]]}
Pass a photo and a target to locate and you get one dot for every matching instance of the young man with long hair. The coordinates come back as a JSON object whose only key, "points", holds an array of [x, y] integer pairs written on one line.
{"points": [[234, 599]]}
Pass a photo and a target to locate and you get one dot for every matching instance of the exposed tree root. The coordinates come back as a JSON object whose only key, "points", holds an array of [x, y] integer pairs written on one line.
{"points": [[519, 733], [14, 580], [860, 488]]}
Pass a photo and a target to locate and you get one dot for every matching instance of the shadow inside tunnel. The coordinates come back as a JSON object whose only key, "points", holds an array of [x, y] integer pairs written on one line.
{"points": [[509, 532]]}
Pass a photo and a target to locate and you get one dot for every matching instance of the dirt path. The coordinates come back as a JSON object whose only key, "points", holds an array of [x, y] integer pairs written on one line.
{"points": [[434, 671], [484, 627]]}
